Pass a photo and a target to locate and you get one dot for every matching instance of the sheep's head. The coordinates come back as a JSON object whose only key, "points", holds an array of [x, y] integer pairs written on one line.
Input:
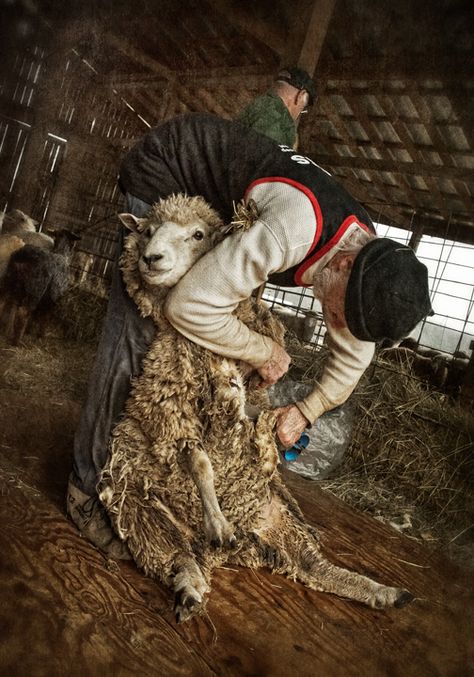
{"points": [[171, 237], [16, 222]]}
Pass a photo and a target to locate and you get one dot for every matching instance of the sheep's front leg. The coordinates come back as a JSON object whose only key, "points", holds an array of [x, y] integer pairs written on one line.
{"points": [[218, 530], [190, 586]]}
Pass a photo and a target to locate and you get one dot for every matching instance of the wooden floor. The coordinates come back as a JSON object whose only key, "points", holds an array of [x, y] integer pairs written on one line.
{"points": [[66, 610]]}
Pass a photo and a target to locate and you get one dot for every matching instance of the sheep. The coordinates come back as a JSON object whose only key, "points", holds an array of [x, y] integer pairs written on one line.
{"points": [[18, 223], [34, 281], [191, 482], [15, 220], [17, 229], [430, 367], [9, 244]]}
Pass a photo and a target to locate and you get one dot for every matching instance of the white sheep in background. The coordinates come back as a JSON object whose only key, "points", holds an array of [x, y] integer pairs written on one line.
{"points": [[18, 223], [191, 483], [9, 244]]}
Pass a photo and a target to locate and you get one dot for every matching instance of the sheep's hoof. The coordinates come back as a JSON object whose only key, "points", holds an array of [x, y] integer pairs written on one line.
{"points": [[403, 598], [186, 603], [220, 533], [272, 557], [229, 543], [386, 597]]}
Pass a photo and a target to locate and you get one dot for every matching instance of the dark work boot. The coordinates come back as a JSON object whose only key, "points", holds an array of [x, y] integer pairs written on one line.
{"points": [[90, 517]]}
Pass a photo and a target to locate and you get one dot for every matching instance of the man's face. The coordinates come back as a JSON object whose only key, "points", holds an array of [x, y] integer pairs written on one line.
{"points": [[299, 103]]}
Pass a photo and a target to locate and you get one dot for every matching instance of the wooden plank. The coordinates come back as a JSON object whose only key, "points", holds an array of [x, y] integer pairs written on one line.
{"points": [[67, 610], [84, 615]]}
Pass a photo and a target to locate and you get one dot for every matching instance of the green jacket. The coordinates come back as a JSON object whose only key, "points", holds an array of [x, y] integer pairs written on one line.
{"points": [[267, 114]]}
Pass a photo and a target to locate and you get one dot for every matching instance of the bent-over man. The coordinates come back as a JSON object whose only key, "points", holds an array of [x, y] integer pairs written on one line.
{"points": [[310, 232]]}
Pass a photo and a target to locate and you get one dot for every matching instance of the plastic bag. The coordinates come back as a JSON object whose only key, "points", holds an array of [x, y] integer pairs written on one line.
{"points": [[329, 437]]}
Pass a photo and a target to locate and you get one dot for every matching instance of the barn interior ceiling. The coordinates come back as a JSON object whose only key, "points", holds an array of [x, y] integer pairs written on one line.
{"points": [[394, 117]]}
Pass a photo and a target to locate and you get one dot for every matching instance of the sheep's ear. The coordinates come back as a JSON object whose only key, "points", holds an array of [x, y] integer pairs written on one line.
{"points": [[219, 233], [131, 222]]}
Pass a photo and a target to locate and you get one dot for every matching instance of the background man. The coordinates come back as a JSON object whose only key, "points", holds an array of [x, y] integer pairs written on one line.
{"points": [[275, 113]]}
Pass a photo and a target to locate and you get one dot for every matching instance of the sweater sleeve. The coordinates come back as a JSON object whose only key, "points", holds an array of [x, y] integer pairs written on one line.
{"points": [[201, 305], [347, 360]]}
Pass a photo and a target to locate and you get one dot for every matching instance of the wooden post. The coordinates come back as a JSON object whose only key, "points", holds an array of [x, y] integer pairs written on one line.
{"points": [[467, 387], [316, 34], [416, 235]]}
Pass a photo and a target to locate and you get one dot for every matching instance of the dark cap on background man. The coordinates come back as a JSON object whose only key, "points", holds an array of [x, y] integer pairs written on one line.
{"points": [[299, 78], [387, 293]]}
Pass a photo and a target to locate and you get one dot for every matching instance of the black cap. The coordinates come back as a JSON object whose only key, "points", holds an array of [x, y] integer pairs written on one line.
{"points": [[300, 79], [387, 293]]}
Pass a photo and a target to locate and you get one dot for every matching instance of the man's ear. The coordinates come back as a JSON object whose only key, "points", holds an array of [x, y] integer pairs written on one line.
{"points": [[131, 222], [343, 261], [302, 98]]}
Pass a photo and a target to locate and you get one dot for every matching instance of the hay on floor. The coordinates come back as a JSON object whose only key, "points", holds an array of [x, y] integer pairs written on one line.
{"points": [[411, 459], [79, 314]]}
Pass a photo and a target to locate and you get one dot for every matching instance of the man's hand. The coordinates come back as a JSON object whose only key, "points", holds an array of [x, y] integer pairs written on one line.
{"points": [[290, 424], [275, 367]]}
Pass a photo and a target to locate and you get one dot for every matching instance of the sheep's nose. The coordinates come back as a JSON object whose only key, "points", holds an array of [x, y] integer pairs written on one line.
{"points": [[148, 260]]}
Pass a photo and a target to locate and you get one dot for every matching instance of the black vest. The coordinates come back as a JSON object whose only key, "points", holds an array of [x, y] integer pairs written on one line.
{"points": [[200, 154]]}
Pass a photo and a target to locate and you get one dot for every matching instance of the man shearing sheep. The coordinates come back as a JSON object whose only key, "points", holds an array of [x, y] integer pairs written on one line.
{"points": [[309, 232]]}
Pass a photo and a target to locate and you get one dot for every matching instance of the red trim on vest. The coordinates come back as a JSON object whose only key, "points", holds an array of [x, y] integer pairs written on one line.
{"points": [[309, 194], [329, 245]]}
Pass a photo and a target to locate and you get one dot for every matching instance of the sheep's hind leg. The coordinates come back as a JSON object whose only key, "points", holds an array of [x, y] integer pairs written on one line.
{"points": [[218, 530], [287, 545], [322, 575]]}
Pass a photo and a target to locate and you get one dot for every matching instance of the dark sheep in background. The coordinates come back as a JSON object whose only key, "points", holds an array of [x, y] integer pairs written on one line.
{"points": [[440, 370], [8, 245], [35, 280]]}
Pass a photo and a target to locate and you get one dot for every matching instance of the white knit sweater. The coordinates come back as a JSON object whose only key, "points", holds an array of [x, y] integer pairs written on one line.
{"points": [[201, 305]]}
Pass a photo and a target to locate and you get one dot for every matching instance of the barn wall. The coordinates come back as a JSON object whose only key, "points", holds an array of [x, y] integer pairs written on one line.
{"points": [[61, 139]]}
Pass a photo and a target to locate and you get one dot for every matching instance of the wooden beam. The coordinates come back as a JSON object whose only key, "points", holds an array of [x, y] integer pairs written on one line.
{"points": [[432, 224], [316, 34], [273, 34], [446, 67], [138, 56], [377, 87], [397, 167], [257, 77], [416, 235]]}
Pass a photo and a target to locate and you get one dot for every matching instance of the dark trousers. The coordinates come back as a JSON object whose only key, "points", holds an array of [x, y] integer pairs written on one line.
{"points": [[125, 339]]}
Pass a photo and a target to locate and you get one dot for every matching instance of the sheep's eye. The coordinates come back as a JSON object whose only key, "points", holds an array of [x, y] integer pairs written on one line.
{"points": [[198, 235]]}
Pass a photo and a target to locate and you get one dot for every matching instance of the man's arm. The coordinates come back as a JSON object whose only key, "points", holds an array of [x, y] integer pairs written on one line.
{"points": [[202, 303], [347, 360]]}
